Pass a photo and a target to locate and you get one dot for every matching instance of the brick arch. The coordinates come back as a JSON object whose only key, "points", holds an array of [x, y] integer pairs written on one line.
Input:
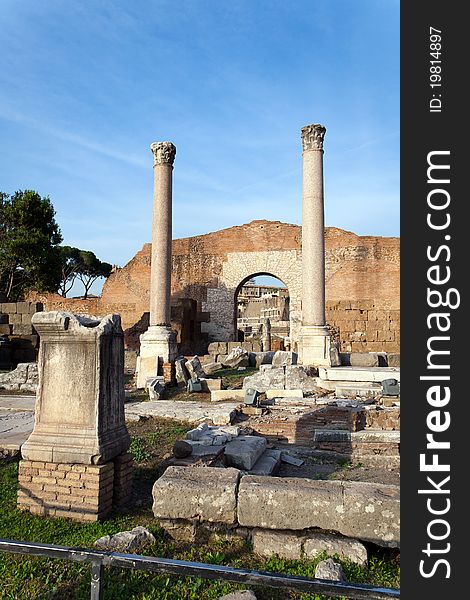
{"points": [[285, 265]]}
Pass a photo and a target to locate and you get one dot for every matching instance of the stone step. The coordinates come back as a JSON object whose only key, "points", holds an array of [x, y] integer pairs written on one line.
{"points": [[267, 464], [369, 374], [244, 451], [358, 390]]}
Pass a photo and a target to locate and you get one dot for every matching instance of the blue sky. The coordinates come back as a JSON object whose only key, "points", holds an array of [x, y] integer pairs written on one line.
{"points": [[87, 85]]}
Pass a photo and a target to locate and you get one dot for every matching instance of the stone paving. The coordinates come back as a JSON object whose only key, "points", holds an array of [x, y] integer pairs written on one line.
{"points": [[17, 415]]}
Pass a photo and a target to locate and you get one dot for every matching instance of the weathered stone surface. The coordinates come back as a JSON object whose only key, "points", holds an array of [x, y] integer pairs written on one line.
{"points": [[266, 379], [133, 541], [393, 360], [212, 367], [285, 544], [331, 570], [371, 374], [267, 464], [224, 395], [202, 493], [194, 367], [155, 388], [181, 449], [209, 385], [181, 371], [365, 511], [282, 358], [80, 400], [244, 451], [181, 410], [241, 595], [364, 359], [300, 377], [344, 548], [261, 358], [271, 394], [238, 357]]}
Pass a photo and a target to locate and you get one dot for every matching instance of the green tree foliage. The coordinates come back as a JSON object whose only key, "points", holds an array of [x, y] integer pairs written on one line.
{"points": [[90, 268], [29, 244], [70, 262]]}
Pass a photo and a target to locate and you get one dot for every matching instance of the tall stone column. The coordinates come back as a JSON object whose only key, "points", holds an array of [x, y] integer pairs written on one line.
{"points": [[316, 346], [158, 343]]}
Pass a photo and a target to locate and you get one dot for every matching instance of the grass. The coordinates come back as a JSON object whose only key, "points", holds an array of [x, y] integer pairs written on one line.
{"points": [[28, 578]]}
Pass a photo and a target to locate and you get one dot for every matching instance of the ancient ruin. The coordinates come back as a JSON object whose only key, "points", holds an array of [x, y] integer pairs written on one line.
{"points": [[75, 461]]}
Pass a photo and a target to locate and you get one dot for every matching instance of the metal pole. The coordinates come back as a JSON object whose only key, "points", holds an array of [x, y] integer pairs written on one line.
{"points": [[97, 581]]}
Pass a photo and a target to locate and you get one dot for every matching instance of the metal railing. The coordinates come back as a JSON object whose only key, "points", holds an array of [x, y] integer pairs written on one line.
{"points": [[99, 560]]}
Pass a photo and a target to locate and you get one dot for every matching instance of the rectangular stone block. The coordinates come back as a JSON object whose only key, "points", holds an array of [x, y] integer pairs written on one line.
{"points": [[26, 319], [5, 329], [8, 307], [15, 319], [197, 493], [35, 307], [22, 307], [22, 329], [210, 385], [243, 451], [365, 511], [225, 395]]}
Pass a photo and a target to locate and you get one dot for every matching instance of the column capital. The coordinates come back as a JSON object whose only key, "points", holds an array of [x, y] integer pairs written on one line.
{"points": [[312, 137], [163, 153]]}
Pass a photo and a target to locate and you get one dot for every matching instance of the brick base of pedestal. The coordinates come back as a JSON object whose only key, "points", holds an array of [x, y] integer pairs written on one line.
{"points": [[74, 491]]}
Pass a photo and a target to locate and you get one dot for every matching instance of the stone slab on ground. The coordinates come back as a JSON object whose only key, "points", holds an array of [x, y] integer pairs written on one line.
{"points": [[15, 428], [192, 412], [353, 390], [18, 403], [293, 546], [359, 373], [364, 511], [199, 493], [225, 395], [211, 385], [270, 394], [244, 451], [267, 464]]}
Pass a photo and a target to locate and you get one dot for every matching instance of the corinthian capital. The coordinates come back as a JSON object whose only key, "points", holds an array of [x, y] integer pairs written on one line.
{"points": [[163, 153], [312, 137]]}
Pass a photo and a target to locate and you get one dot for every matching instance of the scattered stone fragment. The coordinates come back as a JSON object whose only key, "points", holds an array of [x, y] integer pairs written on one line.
{"points": [[267, 464], [238, 357], [195, 368], [331, 570], [182, 449], [127, 541], [345, 548], [244, 451], [182, 374], [212, 367], [363, 359], [282, 358], [155, 388], [241, 595], [291, 460]]}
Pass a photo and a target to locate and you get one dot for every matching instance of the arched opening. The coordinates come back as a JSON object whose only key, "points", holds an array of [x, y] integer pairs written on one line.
{"points": [[259, 297]]}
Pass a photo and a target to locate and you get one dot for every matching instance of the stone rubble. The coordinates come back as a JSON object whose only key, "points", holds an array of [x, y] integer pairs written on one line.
{"points": [[331, 570], [22, 379], [238, 357], [132, 542], [195, 368]]}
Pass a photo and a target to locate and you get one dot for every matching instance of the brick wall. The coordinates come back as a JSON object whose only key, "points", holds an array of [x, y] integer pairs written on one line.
{"points": [[366, 325], [210, 268]]}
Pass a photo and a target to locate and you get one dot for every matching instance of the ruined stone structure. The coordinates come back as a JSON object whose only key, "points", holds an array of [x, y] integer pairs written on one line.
{"points": [[211, 268], [75, 462], [362, 281]]}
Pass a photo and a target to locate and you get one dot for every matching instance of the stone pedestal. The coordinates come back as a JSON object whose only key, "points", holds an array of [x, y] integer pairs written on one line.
{"points": [[158, 343], [75, 462], [157, 346], [316, 345]]}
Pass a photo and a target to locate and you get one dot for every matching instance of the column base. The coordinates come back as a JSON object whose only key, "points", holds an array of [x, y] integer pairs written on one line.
{"points": [[317, 348], [157, 346]]}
